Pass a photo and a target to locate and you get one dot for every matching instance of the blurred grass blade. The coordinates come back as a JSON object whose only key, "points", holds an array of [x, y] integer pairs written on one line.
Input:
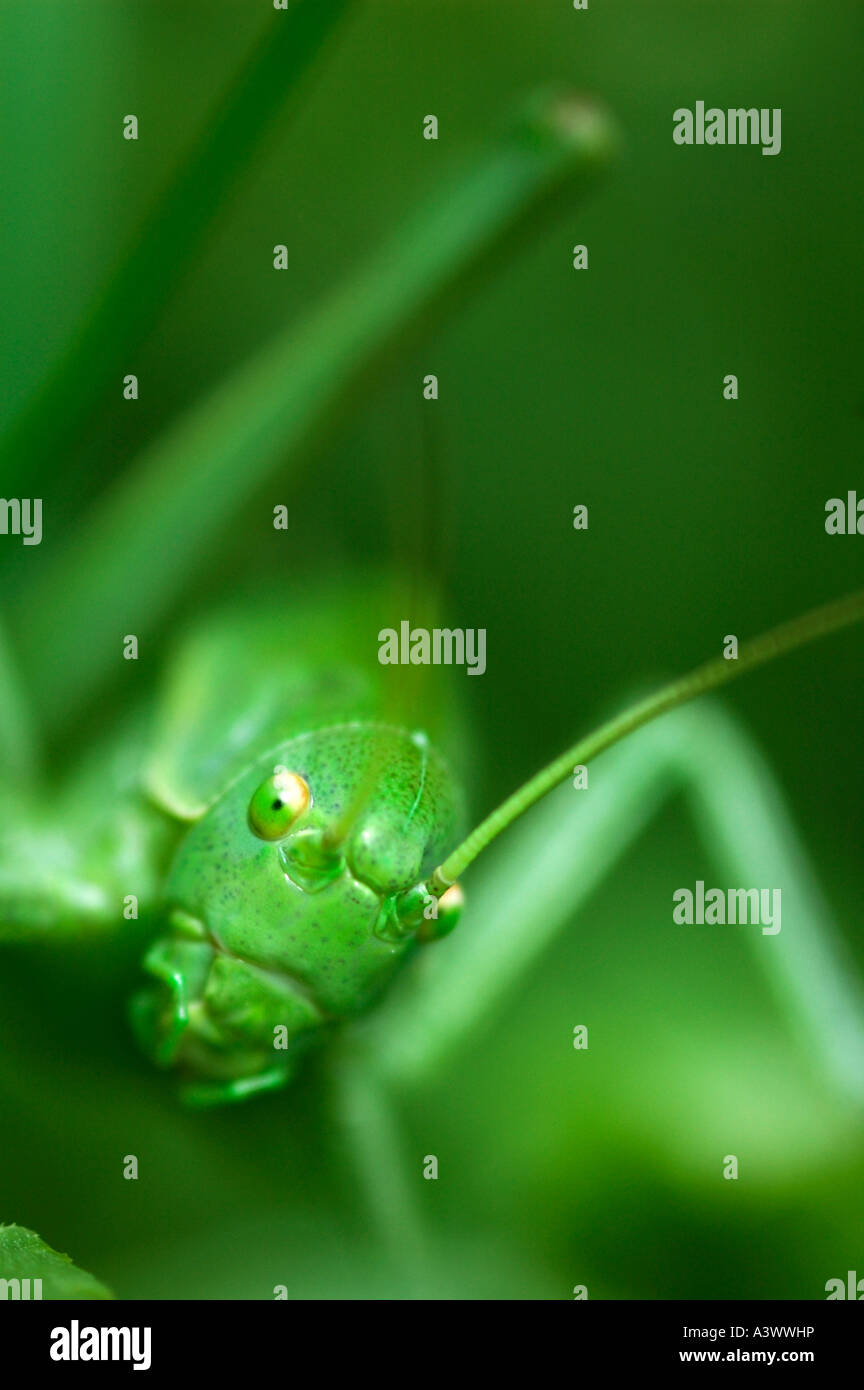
{"points": [[543, 871], [17, 737], [368, 1130], [153, 532], [23, 1256], [140, 285]]}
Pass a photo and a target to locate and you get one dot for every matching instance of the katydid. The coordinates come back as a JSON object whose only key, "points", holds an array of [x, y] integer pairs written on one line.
{"points": [[299, 839], [300, 844]]}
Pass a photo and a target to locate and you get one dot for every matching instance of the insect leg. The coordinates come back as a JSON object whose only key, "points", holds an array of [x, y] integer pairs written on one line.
{"points": [[546, 868], [366, 1117], [182, 967], [210, 1093]]}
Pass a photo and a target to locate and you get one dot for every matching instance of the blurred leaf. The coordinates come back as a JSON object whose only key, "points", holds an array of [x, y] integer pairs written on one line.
{"points": [[127, 565], [141, 283], [24, 1256]]}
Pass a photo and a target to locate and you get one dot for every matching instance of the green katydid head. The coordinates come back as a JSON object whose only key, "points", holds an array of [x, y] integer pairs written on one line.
{"points": [[313, 862], [293, 897]]}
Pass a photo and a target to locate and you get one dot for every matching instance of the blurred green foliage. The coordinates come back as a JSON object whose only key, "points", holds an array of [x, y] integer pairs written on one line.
{"points": [[41, 1271]]}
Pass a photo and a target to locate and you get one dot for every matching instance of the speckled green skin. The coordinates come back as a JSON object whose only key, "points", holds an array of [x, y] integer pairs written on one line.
{"points": [[266, 951]]}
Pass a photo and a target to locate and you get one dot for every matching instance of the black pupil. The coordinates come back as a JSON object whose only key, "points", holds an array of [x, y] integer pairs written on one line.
{"points": [[277, 805]]}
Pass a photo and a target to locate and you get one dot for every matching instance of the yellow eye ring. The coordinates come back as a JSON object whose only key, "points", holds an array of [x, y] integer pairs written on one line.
{"points": [[279, 801]]}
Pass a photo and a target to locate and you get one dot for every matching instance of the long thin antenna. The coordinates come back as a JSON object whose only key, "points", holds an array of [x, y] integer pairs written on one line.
{"points": [[415, 593], [719, 671]]}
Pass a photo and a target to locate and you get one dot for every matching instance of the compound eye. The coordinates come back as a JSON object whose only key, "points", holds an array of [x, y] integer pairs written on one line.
{"points": [[277, 804]]}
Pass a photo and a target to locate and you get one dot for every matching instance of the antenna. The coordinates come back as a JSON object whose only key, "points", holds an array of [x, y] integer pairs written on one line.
{"points": [[818, 622]]}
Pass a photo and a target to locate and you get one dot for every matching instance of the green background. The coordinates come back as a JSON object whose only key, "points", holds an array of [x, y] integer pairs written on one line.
{"points": [[706, 517]]}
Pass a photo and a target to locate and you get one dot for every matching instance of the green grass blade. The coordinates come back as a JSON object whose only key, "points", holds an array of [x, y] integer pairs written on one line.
{"points": [[133, 557], [139, 287], [17, 736]]}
